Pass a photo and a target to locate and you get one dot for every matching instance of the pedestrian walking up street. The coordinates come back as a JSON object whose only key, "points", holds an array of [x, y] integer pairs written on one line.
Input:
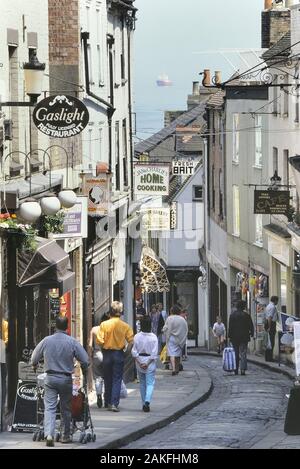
{"points": [[145, 351], [59, 352], [176, 330], [272, 317], [113, 337], [240, 330], [219, 332]]}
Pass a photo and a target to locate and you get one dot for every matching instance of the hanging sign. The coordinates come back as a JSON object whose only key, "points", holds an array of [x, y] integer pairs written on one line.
{"points": [[156, 219], [61, 116], [271, 202], [183, 167], [152, 179], [97, 189], [25, 411], [75, 220]]}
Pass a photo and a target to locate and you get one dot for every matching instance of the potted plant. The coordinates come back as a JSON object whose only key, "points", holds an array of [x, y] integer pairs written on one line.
{"points": [[54, 223], [24, 235]]}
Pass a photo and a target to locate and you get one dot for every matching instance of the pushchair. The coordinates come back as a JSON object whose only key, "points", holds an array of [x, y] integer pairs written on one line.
{"points": [[81, 420]]}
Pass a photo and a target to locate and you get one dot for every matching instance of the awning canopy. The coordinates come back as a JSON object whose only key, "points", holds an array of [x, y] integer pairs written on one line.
{"points": [[153, 274], [47, 266]]}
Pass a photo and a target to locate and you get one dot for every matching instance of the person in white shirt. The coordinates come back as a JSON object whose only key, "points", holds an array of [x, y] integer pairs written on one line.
{"points": [[145, 351], [219, 332]]}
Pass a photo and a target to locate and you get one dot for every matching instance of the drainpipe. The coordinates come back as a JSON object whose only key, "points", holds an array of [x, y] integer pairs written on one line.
{"points": [[110, 108], [130, 112]]}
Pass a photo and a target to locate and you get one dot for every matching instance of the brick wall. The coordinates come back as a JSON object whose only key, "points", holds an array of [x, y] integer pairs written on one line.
{"points": [[275, 23]]}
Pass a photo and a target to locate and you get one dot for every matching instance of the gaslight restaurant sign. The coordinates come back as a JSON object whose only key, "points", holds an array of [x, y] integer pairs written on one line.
{"points": [[61, 116], [152, 179], [271, 202]]}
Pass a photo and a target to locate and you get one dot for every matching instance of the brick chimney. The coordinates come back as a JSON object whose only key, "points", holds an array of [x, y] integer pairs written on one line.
{"points": [[275, 23]]}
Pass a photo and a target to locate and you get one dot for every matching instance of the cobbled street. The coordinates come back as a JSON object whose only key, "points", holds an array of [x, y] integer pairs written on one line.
{"points": [[240, 412]]}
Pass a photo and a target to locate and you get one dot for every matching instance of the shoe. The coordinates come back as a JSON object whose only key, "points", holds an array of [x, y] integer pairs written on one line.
{"points": [[167, 366], [180, 367], [115, 408], [49, 441], [174, 373], [108, 406], [146, 407], [99, 401], [236, 372], [66, 440], [243, 373]]}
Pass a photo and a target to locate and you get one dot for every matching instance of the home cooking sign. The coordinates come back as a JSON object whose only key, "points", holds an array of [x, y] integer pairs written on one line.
{"points": [[151, 179], [60, 116]]}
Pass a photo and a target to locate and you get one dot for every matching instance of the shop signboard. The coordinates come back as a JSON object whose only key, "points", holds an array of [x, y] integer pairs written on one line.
{"points": [[61, 116], [152, 179], [97, 189], [75, 220], [156, 219], [183, 167], [25, 411], [271, 202]]}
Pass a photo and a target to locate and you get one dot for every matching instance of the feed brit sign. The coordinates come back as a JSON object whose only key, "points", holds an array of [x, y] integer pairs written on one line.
{"points": [[60, 116], [152, 179]]}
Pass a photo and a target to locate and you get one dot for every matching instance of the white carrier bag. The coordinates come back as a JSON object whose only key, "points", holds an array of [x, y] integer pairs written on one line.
{"points": [[229, 362]]}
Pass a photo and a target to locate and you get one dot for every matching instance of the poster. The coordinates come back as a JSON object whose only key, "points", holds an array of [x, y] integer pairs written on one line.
{"points": [[25, 411], [75, 221], [97, 189], [156, 219]]}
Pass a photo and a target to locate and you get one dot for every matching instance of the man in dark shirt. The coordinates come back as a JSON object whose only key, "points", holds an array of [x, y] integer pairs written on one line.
{"points": [[59, 351], [240, 330]]}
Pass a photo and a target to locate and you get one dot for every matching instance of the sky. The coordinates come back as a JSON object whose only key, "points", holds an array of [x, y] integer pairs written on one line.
{"points": [[169, 36]]}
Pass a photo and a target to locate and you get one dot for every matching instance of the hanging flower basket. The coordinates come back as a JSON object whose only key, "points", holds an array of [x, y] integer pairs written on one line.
{"points": [[54, 223], [23, 236]]}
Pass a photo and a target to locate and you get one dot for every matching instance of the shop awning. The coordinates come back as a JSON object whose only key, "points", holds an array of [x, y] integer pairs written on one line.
{"points": [[153, 274], [48, 266]]}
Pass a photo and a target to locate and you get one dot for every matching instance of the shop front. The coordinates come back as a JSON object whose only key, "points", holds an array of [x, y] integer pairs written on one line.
{"points": [[38, 286]]}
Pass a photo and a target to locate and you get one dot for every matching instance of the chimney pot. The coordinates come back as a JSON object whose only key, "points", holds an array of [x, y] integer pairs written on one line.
{"points": [[268, 4], [196, 89], [206, 79], [218, 78]]}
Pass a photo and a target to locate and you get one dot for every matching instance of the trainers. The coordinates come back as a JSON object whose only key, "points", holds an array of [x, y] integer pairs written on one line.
{"points": [[99, 401], [146, 407], [49, 441], [115, 408], [108, 406]]}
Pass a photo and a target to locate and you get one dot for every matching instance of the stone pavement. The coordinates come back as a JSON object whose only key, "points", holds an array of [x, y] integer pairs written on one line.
{"points": [[274, 438], [173, 396]]}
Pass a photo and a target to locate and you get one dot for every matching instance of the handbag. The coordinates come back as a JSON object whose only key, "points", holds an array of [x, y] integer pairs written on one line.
{"points": [[163, 354]]}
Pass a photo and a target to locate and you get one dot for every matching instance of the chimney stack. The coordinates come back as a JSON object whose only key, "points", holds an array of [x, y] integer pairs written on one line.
{"points": [[275, 23], [196, 88], [206, 78]]}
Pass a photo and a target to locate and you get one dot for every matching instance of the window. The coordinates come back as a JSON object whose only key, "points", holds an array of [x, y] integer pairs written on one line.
{"points": [[221, 214], [117, 153], [236, 138], [258, 141], [236, 211], [125, 162], [275, 159], [297, 100], [213, 188], [285, 174], [258, 230], [90, 64], [286, 97], [198, 193]]}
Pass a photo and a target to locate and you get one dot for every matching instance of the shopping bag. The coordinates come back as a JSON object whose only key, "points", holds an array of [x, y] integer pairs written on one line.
{"points": [[124, 392], [229, 362], [163, 354]]}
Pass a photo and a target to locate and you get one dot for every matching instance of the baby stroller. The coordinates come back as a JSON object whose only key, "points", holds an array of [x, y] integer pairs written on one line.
{"points": [[81, 420]]}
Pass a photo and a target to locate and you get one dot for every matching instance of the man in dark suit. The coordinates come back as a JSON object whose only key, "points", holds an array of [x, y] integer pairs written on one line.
{"points": [[240, 330]]}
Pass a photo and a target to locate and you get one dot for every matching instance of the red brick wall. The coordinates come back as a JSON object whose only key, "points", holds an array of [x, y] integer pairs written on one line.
{"points": [[64, 32]]}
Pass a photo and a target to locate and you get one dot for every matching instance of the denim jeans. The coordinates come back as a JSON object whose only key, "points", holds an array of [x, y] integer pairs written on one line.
{"points": [[147, 382], [113, 365], [57, 385]]}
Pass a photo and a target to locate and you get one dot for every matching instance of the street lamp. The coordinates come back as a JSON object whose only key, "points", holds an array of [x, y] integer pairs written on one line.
{"points": [[33, 75]]}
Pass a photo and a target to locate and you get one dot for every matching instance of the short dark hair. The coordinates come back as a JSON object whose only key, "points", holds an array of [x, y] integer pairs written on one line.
{"points": [[61, 323], [274, 299], [176, 309], [241, 304], [146, 324]]}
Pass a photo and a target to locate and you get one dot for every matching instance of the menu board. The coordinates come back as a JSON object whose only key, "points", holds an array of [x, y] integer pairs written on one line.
{"points": [[54, 308]]}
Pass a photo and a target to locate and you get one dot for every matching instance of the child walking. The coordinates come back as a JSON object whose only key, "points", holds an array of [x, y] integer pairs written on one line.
{"points": [[219, 332]]}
